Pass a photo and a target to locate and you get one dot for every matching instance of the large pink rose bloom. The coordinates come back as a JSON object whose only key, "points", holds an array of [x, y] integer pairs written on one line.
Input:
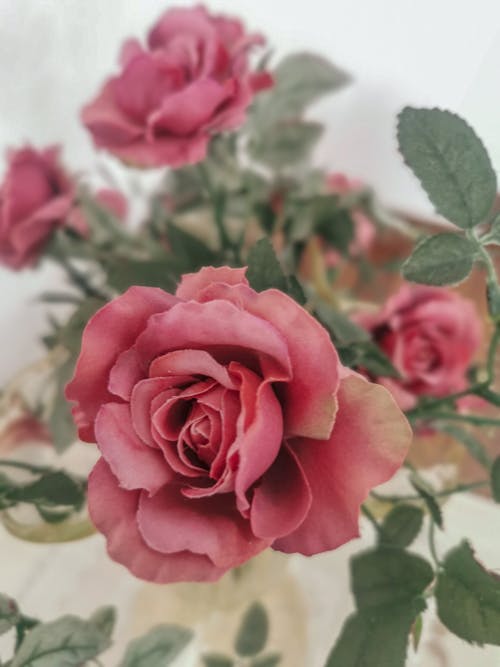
{"points": [[431, 335], [193, 81], [35, 198], [226, 425]]}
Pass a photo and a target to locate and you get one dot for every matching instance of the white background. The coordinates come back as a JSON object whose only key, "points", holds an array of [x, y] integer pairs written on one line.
{"points": [[55, 53]]}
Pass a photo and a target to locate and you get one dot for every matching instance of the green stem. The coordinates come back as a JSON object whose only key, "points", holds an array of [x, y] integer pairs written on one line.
{"points": [[432, 543], [465, 418], [21, 465], [79, 279], [218, 199], [459, 488]]}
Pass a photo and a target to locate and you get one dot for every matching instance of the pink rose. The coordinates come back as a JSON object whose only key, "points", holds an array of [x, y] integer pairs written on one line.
{"points": [[431, 336], [226, 425], [364, 227], [193, 81], [35, 198]]}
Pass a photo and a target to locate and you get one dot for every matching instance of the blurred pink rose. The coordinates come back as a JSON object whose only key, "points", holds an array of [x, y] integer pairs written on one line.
{"points": [[364, 228], [431, 335], [35, 198], [226, 425], [193, 81]]}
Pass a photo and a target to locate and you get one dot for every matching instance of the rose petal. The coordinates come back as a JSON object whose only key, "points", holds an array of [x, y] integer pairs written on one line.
{"points": [[369, 443], [220, 328], [110, 331], [136, 465], [171, 523], [113, 511], [192, 284], [191, 362], [283, 498]]}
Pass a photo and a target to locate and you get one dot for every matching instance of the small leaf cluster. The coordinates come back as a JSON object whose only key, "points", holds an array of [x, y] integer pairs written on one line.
{"points": [[249, 644]]}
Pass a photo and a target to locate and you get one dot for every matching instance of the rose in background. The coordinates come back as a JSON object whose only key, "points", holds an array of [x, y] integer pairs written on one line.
{"points": [[431, 335], [226, 425], [192, 80], [36, 197]]}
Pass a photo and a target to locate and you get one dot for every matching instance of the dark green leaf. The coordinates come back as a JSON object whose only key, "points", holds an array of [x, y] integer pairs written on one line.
{"points": [[67, 642], [269, 660], [451, 163], [376, 637], [468, 597], [125, 272], [264, 271], [388, 575], [495, 479], [295, 290], [493, 297], [416, 631], [443, 259], [158, 648], [9, 614], [253, 631], [342, 329], [286, 143], [430, 501], [190, 253], [402, 525], [334, 224], [368, 357], [52, 488], [217, 660]]}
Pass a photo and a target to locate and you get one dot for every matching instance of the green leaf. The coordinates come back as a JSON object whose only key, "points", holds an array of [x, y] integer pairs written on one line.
{"points": [[416, 632], [68, 642], [264, 271], [388, 575], [334, 224], [9, 614], [295, 290], [376, 637], [300, 80], [402, 525], [158, 648], [217, 660], [495, 479], [430, 501], [368, 357], [468, 597], [189, 252], [493, 297], [341, 328], [451, 163], [125, 272], [70, 334], [475, 448], [443, 259], [286, 143], [269, 660], [52, 488], [105, 620], [253, 631]]}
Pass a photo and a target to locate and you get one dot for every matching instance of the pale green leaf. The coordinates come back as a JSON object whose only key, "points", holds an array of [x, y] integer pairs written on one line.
{"points": [[443, 259], [253, 631], [158, 648]]}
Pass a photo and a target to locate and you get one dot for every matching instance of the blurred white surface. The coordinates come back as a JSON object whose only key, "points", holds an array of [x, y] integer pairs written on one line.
{"points": [[54, 55]]}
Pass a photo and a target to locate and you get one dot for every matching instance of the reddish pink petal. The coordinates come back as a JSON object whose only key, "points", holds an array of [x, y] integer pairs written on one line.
{"points": [[140, 404], [190, 362], [136, 465], [110, 331], [369, 442], [171, 523], [109, 126], [308, 399], [259, 432], [113, 512], [218, 327], [171, 151], [283, 498], [185, 112], [192, 284]]}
